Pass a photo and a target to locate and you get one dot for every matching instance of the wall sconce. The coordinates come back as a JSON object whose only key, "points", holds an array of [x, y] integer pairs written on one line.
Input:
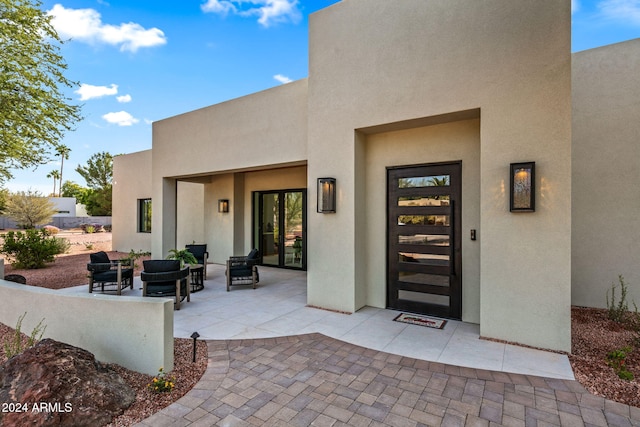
{"points": [[523, 187], [326, 195], [223, 205]]}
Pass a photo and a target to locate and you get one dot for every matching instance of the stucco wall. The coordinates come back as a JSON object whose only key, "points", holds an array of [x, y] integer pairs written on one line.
{"points": [[66, 206], [395, 61], [219, 226], [134, 332], [190, 214], [132, 181], [443, 142], [606, 172], [265, 128]]}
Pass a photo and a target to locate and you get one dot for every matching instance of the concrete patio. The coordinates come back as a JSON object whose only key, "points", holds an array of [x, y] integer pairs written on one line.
{"points": [[278, 308], [273, 361]]}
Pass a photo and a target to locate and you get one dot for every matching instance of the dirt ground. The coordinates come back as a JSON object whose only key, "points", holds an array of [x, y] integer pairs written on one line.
{"points": [[70, 269]]}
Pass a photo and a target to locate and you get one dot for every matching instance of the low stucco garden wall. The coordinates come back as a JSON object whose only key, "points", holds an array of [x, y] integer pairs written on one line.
{"points": [[134, 332]]}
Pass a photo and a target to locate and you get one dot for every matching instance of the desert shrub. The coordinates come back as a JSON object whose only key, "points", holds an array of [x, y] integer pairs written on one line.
{"points": [[98, 228], [51, 230], [32, 248], [89, 229], [62, 245], [617, 359], [15, 346], [29, 209], [617, 311], [107, 228]]}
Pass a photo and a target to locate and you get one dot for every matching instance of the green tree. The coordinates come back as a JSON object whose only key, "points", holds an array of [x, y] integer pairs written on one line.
{"points": [[34, 113], [55, 174], [29, 208], [99, 171], [72, 189], [99, 175], [4, 195], [98, 202]]}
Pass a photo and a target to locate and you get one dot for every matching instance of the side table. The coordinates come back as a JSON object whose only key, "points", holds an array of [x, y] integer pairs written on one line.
{"points": [[197, 277]]}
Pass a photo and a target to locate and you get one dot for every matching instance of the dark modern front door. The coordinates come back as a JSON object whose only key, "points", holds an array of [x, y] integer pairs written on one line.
{"points": [[424, 258]]}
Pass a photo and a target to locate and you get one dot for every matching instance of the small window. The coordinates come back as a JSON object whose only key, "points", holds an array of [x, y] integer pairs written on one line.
{"points": [[144, 215]]}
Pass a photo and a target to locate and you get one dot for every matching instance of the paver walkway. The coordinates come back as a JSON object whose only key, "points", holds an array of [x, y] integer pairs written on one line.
{"points": [[314, 380]]}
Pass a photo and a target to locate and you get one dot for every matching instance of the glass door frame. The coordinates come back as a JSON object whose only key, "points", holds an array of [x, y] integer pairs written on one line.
{"points": [[257, 221]]}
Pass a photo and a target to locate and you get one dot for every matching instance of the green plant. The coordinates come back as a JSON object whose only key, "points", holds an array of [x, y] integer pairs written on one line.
{"points": [[88, 246], [133, 256], [90, 229], [62, 245], [183, 255], [617, 360], [32, 248], [14, 345], [161, 383], [618, 311]]}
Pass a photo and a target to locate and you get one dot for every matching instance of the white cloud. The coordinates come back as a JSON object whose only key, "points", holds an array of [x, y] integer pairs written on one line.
{"points": [[282, 79], [622, 10], [148, 121], [267, 11], [121, 118], [87, 91], [124, 98], [575, 6], [218, 6], [86, 25]]}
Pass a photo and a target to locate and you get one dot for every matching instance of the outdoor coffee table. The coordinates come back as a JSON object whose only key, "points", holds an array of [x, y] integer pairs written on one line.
{"points": [[197, 277]]}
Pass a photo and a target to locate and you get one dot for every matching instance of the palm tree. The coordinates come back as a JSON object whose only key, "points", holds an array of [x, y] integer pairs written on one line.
{"points": [[55, 175], [63, 152]]}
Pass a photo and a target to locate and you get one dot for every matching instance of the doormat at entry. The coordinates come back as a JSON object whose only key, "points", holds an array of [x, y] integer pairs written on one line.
{"points": [[417, 319]]}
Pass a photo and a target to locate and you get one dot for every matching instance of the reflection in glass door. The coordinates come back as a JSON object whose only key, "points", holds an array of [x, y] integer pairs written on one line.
{"points": [[279, 231], [270, 231]]}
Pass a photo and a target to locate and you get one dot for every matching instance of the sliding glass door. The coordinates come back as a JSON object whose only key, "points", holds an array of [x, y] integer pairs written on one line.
{"points": [[280, 227]]}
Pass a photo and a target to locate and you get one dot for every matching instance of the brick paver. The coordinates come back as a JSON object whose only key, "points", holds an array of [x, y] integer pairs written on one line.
{"points": [[314, 380]]}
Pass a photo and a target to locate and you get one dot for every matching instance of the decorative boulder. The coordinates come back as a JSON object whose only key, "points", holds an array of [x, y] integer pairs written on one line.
{"points": [[16, 278], [56, 384]]}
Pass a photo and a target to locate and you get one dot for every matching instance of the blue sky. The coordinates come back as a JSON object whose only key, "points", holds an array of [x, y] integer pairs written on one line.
{"points": [[141, 61]]}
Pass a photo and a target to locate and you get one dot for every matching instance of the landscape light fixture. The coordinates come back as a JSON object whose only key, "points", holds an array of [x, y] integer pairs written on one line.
{"points": [[223, 205], [195, 336]]}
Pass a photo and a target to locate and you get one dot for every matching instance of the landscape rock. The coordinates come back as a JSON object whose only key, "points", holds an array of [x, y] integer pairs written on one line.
{"points": [[56, 384], [16, 278]]}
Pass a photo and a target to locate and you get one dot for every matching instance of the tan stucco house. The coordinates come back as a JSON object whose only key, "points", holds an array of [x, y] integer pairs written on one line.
{"points": [[482, 172]]}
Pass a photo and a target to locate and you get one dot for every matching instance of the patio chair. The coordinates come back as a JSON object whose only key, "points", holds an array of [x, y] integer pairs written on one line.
{"points": [[104, 271], [242, 270], [165, 278], [199, 251]]}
